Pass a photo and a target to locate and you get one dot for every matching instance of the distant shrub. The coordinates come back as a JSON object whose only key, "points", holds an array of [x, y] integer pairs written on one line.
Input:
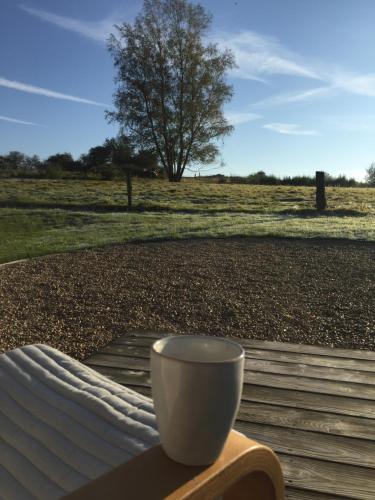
{"points": [[222, 180], [52, 171], [261, 178], [110, 172]]}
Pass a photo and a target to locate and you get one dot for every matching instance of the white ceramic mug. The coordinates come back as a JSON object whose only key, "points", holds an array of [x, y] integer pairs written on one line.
{"points": [[196, 388]]}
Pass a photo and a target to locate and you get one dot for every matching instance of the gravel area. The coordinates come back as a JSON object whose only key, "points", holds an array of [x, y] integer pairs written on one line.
{"points": [[301, 291]]}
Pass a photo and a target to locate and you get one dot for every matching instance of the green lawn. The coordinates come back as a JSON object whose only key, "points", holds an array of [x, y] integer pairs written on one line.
{"points": [[45, 216], [189, 195]]}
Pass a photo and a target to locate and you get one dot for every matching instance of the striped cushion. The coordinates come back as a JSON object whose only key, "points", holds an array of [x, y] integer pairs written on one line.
{"points": [[62, 424]]}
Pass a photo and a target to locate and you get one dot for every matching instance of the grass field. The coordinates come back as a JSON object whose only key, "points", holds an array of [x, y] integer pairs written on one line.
{"points": [[46, 216]]}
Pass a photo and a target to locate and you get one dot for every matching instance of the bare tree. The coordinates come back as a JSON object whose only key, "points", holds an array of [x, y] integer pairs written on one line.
{"points": [[171, 85]]}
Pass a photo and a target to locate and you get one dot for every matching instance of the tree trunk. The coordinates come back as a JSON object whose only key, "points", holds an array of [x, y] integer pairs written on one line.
{"points": [[129, 188], [321, 202], [174, 176]]}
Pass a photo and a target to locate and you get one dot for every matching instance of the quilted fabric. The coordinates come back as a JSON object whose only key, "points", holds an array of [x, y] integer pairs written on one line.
{"points": [[63, 424]]}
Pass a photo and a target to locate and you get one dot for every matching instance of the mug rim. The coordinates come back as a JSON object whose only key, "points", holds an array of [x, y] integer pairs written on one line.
{"points": [[233, 359]]}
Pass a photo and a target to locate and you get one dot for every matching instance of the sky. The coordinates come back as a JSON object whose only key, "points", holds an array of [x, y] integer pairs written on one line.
{"points": [[304, 86]]}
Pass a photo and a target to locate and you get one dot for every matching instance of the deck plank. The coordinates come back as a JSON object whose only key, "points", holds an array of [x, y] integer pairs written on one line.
{"points": [[298, 383], [296, 494], [268, 413], [316, 421], [260, 394], [309, 349], [314, 406], [261, 365], [311, 359], [326, 477], [315, 445], [150, 337]]}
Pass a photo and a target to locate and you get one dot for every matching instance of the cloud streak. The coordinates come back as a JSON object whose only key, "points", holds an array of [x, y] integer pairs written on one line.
{"points": [[289, 129], [259, 56], [239, 117], [291, 97], [96, 30], [363, 85], [31, 89], [20, 122], [355, 84]]}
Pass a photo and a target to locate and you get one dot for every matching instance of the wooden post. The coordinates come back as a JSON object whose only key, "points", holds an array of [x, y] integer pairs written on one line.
{"points": [[321, 202], [129, 188]]}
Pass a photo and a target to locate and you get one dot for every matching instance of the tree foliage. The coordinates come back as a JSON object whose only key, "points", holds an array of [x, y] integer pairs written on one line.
{"points": [[116, 156], [110, 160], [171, 85], [370, 177], [63, 160], [15, 163]]}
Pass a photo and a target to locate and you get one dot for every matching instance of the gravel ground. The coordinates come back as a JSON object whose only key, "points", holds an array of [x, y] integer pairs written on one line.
{"points": [[302, 291]]}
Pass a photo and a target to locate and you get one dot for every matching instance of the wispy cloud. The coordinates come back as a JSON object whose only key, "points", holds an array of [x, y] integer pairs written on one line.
{"points": [[258, 56], [289, 129], [355, 84], [25, 87], [96, 30], [21, 122], [290, 97], [363, 85], [239, 117]]}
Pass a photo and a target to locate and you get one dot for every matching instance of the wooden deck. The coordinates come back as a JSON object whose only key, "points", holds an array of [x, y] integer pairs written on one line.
{"points": [[314, 406]]}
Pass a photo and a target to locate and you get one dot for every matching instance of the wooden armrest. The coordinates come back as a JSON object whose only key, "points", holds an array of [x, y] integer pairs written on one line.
{"points": [[244, 470]]}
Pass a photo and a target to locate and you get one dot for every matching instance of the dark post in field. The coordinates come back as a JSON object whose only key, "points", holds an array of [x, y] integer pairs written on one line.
{"points": [[129, 188], [321, 202]]}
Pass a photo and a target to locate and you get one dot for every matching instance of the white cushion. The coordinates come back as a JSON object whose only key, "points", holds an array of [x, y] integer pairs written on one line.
{"points": [[63, 424]]}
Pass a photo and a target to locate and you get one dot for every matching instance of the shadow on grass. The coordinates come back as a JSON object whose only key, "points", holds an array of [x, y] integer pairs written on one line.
{"points": [[309, 213], [123, 208], [63, 206], [298, 213]]}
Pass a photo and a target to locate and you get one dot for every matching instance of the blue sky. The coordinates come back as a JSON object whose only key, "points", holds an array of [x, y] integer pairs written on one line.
{"points": [[304, 87]]}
